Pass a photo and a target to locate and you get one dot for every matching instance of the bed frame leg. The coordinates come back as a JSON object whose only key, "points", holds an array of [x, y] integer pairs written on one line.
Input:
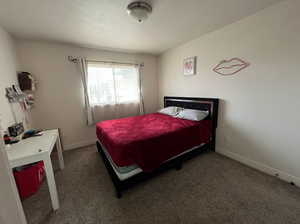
{"points": [[118, 189], [213, 141], [118, 194], [178, 166], [117, 184]]}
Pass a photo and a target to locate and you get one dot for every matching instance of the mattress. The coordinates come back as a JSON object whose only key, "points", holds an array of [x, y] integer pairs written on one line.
{"points": [[149, 140], [126, 172]]}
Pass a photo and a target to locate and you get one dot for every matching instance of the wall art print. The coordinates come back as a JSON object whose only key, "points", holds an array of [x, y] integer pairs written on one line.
{"points": [[189, 66], [231, 66]]}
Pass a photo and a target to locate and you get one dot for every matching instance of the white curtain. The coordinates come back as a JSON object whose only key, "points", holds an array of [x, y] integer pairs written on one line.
{"points": [[111, 90]]}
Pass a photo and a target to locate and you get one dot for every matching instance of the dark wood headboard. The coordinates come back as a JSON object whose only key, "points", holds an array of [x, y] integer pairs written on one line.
{"points": [[210, 104], [196, 103]]}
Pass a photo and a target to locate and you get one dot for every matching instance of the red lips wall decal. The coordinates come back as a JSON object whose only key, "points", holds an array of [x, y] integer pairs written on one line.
{"points": [[230, 67]]}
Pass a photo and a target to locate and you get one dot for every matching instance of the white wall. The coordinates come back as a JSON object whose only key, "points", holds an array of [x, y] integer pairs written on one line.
{"points": [[10, 206], [8, 77], [59, 95], [11, 210], [259, 111]]}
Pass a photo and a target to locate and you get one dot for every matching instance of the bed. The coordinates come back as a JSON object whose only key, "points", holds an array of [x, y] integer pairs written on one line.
{"points": [[137, 148]]}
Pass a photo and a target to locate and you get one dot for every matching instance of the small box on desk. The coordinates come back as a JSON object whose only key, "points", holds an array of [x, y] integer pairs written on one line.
{"points": [[16, 129]]}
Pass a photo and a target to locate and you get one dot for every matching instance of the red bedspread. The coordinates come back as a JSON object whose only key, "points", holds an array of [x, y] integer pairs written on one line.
{"points": [[151, 139]]}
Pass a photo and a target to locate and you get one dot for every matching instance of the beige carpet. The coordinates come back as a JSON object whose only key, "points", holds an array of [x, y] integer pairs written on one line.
{"points": [[209, 189]]}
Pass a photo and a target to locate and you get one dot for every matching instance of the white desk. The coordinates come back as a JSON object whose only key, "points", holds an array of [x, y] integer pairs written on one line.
{"points": [[36, 149]]}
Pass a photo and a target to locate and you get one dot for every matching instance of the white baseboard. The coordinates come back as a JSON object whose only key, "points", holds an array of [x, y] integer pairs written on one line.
{"points": [[260, 166], [79, 144]]}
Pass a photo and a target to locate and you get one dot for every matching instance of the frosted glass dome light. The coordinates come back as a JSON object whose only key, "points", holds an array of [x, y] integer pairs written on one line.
{"points": [[139, 10]]}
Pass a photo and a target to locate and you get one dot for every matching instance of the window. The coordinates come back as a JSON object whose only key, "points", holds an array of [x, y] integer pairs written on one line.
{"points": [[110, 84]]}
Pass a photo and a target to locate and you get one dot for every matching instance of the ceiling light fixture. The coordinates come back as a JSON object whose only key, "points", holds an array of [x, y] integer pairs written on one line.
{"points": [[139, 10]]}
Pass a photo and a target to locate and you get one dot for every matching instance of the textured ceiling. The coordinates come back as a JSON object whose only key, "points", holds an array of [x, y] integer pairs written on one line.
{"points": [[104, 24]]}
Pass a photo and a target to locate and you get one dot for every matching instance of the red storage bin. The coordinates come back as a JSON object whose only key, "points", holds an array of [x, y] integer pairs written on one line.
{"points": [[29, 179]]}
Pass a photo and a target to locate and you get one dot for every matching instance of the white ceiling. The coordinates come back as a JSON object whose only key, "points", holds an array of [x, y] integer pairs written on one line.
{"points": [[104, 24]]}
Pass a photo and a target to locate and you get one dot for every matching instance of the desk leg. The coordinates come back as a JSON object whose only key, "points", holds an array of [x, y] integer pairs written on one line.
{"points": [[60, 154], [51, 183]]}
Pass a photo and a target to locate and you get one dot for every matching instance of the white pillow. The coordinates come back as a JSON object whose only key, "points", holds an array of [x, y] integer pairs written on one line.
{"points": [[193, 115], [172, 111]]}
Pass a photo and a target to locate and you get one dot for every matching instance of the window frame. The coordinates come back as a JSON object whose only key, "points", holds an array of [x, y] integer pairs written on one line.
{"points": [[113, 67]]}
